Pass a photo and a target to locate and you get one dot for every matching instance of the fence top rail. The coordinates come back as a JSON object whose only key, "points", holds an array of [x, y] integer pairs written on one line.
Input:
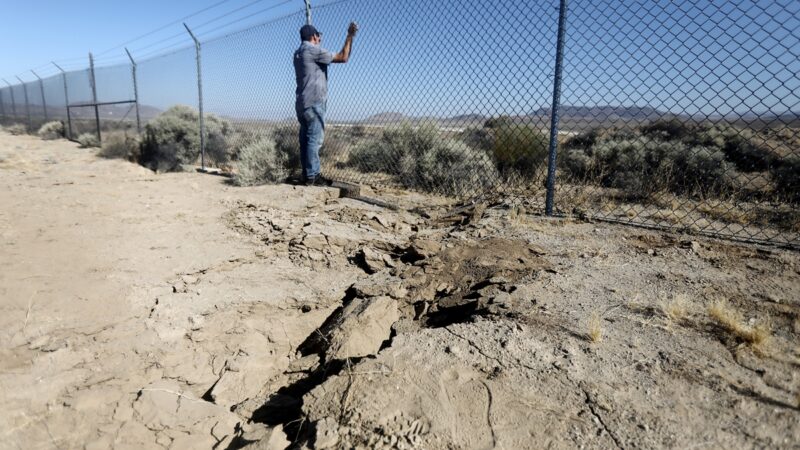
{"points": [[86, 104]]}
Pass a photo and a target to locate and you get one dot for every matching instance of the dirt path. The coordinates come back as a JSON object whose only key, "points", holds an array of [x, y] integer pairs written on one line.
{"points": [[175, 311]]}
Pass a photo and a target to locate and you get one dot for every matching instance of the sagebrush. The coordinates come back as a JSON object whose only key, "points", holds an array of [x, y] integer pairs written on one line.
{"points": [[172, 139], [88, 140], [51, 130], [120, 145], [17, 129], [261, 162], [421, 158]]}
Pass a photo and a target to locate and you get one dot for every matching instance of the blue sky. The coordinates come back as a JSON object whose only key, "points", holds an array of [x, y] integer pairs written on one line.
{"points": [[425, 58]]}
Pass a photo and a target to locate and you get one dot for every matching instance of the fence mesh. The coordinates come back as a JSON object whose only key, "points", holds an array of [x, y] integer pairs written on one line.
{"points": [[54, 93], [674, 114], [686, 116]]}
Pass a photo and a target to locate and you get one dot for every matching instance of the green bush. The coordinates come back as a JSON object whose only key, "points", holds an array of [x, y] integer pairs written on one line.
{"points": [[519, 149], [454, 168], [17, 129], [667, 129], [422, 159], [260, 162], [242, 137], [645, 165], [51, 130], [120, 145], [173, 139], [87, 140], [480, 138], [786, 177], [739, 146]]}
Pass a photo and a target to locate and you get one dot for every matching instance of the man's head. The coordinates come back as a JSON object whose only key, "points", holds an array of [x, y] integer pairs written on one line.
{"points": [[309, 33]]}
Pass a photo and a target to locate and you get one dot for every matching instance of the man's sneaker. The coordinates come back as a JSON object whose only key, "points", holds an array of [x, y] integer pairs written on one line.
{"points": [[319, 180]]}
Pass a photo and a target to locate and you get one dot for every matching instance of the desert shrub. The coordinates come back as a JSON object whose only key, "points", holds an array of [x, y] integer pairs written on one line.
{"points": [[786, 177], [452, 167], [644, 165], [242, 137], [422, 159], [87, 140], [499, 121], [396, 151], [667, 129], [519, 149], [739, 146], [17, 129], [52, 130], [287, 144], [700, 170], [480, 138], [594, 136], [120, 145], [260, 162], [173, 139]]}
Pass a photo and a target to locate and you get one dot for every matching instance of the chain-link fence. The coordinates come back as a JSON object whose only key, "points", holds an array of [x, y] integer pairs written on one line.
{"points": [[680, 115]]}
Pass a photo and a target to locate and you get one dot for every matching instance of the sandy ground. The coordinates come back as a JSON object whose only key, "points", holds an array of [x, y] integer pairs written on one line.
{"points": [[176, 311]]}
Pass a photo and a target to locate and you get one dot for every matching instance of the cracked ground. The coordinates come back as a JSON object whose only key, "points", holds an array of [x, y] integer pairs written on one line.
{"points": [[177, 311]]}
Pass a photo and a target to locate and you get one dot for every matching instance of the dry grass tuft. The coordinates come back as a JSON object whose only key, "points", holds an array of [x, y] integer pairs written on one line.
{"points": [[676, 309], [595, 328], [16, 129], [733, 322], [517, 215]]}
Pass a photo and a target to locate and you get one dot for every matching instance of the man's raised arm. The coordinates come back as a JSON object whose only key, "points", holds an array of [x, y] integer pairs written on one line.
{"points": [[344, 55]]}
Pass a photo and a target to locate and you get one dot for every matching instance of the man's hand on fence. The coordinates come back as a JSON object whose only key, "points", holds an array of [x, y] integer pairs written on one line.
{"points": [[352, 29]]}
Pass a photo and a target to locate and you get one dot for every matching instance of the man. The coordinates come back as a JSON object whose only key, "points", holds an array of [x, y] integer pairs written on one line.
{"points": [[311, 71]]}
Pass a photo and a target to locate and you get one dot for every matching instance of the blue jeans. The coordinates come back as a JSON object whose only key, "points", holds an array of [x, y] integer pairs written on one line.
{"points": [[312, 133]]}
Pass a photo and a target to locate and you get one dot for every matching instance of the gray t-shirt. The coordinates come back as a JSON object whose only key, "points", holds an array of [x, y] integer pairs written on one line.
{"points": [[311, 70]]}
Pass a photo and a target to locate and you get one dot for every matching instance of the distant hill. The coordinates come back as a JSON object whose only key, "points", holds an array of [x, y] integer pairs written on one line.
{"points": [[387, 117], [111, 112], [464, 120], [603, 112]]}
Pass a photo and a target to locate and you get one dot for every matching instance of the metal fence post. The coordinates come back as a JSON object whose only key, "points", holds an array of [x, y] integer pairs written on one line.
{"points": [[27, 105], [66, 100], [551, 160], [41, 88], [13, 102], [199, 99], [308, 12], [2, 106], [135, 92], [94, 96]]}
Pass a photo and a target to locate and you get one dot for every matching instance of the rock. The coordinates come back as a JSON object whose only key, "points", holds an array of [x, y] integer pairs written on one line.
{"points": [[424, 248], [362, 326], [246, 373], [326, 433], [304, 364], [370, 260], [315, 242], [164, 405], [382, 220], [694, 246], [387, 259], [264, 438], [380, 285]]}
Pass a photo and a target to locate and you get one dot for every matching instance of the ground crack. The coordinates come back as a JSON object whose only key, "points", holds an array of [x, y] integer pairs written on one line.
{"points": [[475, 346], [590, 404]]}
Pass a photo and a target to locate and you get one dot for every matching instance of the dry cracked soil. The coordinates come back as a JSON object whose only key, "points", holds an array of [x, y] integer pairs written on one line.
{"points": [[144, 310]]}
